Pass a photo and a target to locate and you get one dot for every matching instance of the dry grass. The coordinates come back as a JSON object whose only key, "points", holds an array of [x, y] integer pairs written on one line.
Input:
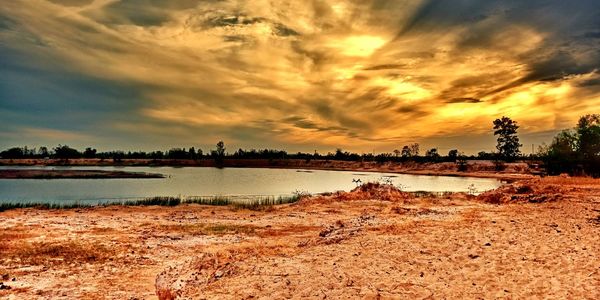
{"points": [[561, 180], [209, 229], [367, 191], [67, 252], [533, 191]]}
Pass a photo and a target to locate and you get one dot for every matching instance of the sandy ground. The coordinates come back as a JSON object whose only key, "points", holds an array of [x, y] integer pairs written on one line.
{"points": [[457, 247]]}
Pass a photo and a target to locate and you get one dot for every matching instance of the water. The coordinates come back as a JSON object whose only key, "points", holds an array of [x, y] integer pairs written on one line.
{"points": [[213, 181]]}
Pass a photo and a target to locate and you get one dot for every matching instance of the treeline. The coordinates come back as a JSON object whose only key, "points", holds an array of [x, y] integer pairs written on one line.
{"points": [[408, 153], [575, 151]]}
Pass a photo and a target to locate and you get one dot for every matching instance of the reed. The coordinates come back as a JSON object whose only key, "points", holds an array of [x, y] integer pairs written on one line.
{"points": [[254, 203]]}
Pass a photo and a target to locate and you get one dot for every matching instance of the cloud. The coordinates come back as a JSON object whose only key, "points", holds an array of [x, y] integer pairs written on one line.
{"points": [[464, 100], [297, 74]]}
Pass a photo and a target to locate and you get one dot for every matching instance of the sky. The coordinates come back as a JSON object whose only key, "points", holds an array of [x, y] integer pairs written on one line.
{"points": [[362, 75]]}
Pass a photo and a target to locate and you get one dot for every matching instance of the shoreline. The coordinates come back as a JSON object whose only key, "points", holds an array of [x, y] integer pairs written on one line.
{"points": [[74, 174], [476, 169]]}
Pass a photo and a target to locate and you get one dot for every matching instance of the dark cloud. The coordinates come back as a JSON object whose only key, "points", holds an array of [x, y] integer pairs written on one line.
{"points": [[464, 100], [222, 21], [592, 35], [557, 66], [72, 2], [385, 67], [6, 23], [282, 30], [143, 12], [590, 83], [279, 29]]}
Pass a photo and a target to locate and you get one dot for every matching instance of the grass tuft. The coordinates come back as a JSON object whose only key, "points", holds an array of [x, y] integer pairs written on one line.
{"points": [[254, 203]]}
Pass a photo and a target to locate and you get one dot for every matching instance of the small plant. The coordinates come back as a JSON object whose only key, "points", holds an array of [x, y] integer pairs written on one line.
{"points": [[386, 180], [401, 187], [472, 190]]}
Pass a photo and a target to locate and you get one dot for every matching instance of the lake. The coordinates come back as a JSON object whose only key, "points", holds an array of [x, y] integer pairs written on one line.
{"points": [[246, 182]]}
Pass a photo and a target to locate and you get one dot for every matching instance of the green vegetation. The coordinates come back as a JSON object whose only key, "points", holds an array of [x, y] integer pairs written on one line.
{"points": [[508, 141], [253, 203], [575, 151]]}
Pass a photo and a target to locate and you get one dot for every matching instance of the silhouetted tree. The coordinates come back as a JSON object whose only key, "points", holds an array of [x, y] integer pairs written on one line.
{"points": [[452, 154], [89, 153], [118, 156], [575, 151], [588, 129], [14, 152], [411, 150], [414, 149], [43, 152], [406, 151], [66, 152], [508, 141], [432, 154], [219, 154], [177, 153]]}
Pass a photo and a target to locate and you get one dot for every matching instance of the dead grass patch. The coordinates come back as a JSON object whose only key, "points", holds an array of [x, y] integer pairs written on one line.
{"points": [[210, 229], [560, 180], [532, 191], [367, 191], [287, 231], [43, 253]]}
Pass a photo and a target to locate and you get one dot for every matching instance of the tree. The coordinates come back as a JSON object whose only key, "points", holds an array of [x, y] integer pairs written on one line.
{"points": [[15, 152], [432, 154], [508, 141], [89, 153], [219, 154], [453, 154], [43, 152], [588, 129], [575, 151], [410, 150], [405, 151], [192, 153], [66, 152], [414, 149]]}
